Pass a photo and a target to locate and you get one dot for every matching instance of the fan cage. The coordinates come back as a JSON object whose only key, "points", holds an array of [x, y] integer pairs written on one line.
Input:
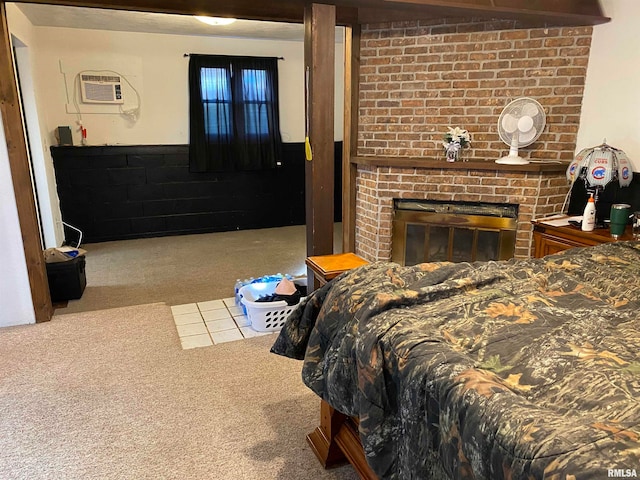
{"points": [[515, 108]]}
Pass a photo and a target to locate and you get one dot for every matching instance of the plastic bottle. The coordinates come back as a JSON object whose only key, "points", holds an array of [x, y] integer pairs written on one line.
{"points": [[589, 215], [236, 289]]}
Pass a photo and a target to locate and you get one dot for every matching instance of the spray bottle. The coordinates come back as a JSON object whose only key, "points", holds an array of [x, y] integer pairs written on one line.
{"points": [[589, 215], [83, 132]]}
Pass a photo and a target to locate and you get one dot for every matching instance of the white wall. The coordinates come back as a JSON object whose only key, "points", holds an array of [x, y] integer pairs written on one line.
{"points": [[155, 65], [611, 103], [15, 294]]}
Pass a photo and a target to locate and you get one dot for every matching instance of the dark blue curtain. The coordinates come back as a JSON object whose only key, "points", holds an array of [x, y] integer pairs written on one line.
{"points": [[233, 113]]}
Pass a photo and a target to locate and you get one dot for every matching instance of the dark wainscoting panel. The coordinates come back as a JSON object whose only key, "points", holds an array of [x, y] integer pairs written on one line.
{"points": [[124, 192]]}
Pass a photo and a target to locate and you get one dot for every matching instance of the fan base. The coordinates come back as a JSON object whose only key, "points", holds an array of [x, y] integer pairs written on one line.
{"points": [[512, 160]]}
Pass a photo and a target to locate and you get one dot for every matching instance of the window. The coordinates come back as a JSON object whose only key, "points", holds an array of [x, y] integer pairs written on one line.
{"points": [[254, 98], [216, 100], [234, 122]]}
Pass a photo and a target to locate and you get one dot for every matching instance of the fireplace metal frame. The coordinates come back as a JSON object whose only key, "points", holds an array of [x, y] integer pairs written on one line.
{"points": [[501, 219]]}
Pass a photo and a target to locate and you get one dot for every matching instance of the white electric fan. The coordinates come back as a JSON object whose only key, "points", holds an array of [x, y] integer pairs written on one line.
{"points": [[520, 124]]}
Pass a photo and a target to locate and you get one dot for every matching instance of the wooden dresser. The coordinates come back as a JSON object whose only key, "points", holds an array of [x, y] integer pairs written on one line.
{"points": [[549, 239]]}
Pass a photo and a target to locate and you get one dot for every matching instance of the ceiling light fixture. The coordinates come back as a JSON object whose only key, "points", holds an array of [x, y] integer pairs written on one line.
{"points": [[216, 20]]}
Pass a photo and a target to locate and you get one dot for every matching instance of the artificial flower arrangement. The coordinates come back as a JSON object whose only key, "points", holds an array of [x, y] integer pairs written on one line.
{"points": [[455, 140]]}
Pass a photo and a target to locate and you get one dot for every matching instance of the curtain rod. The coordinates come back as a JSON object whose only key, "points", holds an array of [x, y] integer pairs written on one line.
{"points": [[189, 54]]}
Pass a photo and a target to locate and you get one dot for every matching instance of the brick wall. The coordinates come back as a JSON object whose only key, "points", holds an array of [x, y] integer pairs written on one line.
{"points": [[418, 78]]}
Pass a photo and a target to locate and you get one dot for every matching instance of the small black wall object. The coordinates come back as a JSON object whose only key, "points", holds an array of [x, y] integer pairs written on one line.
{"points": [[64, 136]]}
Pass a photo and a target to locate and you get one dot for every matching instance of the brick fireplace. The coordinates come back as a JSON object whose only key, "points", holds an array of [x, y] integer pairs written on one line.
{"points": [[538, 189], [419, 78]]}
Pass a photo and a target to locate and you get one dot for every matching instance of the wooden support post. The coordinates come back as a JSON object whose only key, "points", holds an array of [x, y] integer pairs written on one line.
{"points": [[350, 135], [319, 59], [21, 176]]}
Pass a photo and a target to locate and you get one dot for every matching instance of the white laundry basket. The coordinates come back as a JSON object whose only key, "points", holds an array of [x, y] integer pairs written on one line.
{"points": [[266, 316]]}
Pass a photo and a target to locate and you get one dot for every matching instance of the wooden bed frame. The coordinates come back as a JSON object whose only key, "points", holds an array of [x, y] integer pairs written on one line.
{"points": [[336, 441]]}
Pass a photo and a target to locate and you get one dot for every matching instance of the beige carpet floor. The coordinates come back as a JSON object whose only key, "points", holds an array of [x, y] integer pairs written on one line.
{"points": [[110, 394], [188, 268]]}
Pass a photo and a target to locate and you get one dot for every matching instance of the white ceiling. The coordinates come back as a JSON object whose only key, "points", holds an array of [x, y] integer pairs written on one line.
{"points": [[101, 19]]}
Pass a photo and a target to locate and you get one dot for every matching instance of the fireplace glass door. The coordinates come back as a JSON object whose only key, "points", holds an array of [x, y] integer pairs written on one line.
{"points": [[427, 231]]}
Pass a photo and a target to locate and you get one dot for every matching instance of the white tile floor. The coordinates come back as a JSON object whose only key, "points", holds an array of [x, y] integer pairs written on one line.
{"points": [[207, 323]]}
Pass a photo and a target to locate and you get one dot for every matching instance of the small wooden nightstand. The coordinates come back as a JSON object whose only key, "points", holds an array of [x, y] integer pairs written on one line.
{"points": [[549, 239], [328, 267]]}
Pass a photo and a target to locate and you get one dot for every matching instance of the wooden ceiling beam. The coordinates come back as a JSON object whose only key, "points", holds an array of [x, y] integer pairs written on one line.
{"points": [[285, 11], [291, 11], [351, 12], [542, 12]]}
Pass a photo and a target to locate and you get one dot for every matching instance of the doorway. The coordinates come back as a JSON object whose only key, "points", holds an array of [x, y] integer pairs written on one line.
{"points": [[43, 177], [292, 136]]}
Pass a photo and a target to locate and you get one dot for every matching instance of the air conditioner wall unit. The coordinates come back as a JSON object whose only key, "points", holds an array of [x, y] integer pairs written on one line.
{"points": [[103, 89]]}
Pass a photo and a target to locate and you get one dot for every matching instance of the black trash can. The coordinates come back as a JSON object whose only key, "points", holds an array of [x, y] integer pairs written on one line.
{"points": [[67, 279]]}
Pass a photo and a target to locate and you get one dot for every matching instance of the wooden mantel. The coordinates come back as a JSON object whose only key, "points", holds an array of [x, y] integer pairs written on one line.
{"points": [[475, 164]]}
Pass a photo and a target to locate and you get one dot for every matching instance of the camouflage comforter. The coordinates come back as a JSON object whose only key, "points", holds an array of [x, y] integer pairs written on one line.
{"points": [[525, 369]]}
